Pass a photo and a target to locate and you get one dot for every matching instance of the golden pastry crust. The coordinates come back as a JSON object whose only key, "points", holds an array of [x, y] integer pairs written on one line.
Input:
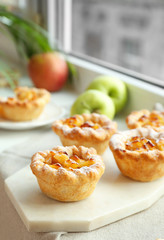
{"points": [[67, 173], [89, 130], [145, 118], [139, 153], [27, 105]]}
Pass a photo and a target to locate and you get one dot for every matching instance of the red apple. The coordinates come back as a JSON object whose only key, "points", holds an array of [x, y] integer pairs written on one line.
{"points": [[48, 70]]}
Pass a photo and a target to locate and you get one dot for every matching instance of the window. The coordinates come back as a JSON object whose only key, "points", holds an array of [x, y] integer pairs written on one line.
{"points": [[128, 34], [123, 34], [130, 53]]}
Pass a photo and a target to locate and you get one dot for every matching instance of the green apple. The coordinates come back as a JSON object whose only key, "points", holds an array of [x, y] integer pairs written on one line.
{"points": [[94, 101], [113, 87]]}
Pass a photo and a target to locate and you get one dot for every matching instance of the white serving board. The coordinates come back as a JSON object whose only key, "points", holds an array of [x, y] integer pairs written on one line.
{"points": [[114, 198]]}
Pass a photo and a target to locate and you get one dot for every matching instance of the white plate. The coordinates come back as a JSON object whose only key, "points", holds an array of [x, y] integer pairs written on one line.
{"points": [[50, 114]]}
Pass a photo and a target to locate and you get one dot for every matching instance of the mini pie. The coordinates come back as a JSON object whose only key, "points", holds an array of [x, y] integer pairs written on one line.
{"points": [[139, 153], [89, 130], [28, 104], [145, 118], [67, 173]]}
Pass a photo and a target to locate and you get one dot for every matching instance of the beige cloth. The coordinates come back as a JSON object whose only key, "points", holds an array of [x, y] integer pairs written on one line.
{"points": [[147, 225], [11, 226]]}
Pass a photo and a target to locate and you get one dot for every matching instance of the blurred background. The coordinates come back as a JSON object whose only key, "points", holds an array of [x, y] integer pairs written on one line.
{"points": [[126, 34]]}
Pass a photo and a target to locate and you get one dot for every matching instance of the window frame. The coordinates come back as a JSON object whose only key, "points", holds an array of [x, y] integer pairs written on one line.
{"points": [[60, 29], [137, 76]]}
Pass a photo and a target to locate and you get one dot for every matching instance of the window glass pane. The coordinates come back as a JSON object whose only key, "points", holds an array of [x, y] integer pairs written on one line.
{"points": [[126, 33]]}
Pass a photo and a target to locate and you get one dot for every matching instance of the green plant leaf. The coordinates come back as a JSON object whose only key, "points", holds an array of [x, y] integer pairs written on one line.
{"points": [[72, 72], [8, 73], [8, 79], [29, 37]]}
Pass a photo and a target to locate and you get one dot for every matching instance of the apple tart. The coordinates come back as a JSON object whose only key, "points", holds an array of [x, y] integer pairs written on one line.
{"points": [[145, 118], [27, 104], [139, 153], [67, 173], [89, 130]]}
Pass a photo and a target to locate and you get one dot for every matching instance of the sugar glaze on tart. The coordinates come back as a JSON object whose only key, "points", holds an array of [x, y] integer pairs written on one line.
{"points": [[139, 153], [89, 130], [27, 104], [145, 118], [67, 173]]}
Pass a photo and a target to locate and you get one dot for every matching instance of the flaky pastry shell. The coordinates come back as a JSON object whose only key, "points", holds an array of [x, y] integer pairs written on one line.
{"points": [[27, 105], [145, 118], [146, 161], [64, 179], [82, 134]]}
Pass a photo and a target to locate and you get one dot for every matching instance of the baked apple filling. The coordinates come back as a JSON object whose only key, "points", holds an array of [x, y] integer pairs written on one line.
{"points": [[144, 144], [73, 121], [147, 119], [26, 95], [23, 96], [61, 159], [78, 122], [154, 119], [90, 124]]}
